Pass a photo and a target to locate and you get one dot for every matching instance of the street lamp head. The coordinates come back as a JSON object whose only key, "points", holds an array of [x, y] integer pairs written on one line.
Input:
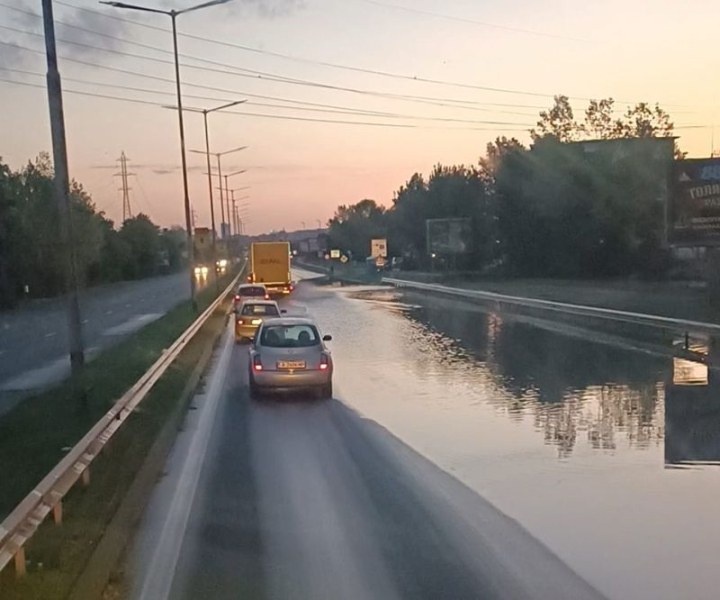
{"points": [[135, 7], [203, 5], [233, 150], [185, 108], [228, 105]]}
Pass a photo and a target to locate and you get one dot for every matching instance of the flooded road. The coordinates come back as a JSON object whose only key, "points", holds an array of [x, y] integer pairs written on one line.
{"points": [[588, 445], [557, 446]]}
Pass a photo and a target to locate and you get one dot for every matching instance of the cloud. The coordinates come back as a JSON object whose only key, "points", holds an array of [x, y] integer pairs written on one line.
{"points": [[13, 56], [269, 8], [89, 28], [85, 27]]}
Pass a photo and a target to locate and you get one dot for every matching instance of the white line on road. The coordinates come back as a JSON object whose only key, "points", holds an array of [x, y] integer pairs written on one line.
{"points": [[108, 312], [160, 571], [132, 324], [51, 334], [85, 321]]}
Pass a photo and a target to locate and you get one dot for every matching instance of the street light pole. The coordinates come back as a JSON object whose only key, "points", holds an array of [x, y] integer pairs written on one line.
{"points": [[227, 199], [173, 16], [62, 194], [186, 193], [212, 205], [222, 203], [227, 193]]}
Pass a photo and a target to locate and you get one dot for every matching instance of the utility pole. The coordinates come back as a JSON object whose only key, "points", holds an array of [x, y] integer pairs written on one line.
{"points": [[62, 195], [227, 199], [186, 192], [123, 174], [222, 203], [234, 208]]}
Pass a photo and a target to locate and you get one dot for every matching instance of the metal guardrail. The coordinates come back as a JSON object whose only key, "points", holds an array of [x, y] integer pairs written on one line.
{"points": [[657, 321], [21, 524]]}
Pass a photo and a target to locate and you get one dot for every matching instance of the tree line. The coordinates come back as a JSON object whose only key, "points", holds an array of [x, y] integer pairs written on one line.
{"points": [[548, 210], [31, 253]]}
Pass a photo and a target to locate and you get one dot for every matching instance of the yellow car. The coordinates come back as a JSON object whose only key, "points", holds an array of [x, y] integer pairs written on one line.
{"points": [[251, 314]]}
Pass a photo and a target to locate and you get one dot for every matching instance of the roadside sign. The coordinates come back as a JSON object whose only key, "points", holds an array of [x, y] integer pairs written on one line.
{"points": [[694, 215], [335, 253], [380, 262], [343, 259], [378, 247]]}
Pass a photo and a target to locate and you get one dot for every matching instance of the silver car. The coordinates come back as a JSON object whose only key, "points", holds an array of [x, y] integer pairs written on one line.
{"points": [[289, 354]]}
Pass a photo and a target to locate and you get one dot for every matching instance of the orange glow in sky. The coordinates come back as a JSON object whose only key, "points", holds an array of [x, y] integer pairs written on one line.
{"points": [[300, 167]]}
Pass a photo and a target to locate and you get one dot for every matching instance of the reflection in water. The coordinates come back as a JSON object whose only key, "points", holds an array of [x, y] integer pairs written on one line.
{"points": [[692, 412], [573, 390]]}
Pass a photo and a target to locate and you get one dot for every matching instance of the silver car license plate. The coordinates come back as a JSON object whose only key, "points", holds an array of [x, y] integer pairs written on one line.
{"points": [[291, 364]]}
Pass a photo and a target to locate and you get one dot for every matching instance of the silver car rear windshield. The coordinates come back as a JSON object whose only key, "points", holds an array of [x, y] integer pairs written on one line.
{"points": [[289, 336]]}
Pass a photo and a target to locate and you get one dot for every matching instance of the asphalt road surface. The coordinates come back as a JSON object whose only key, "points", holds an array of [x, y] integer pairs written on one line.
{"points": [[33, 339], [305, 499]]}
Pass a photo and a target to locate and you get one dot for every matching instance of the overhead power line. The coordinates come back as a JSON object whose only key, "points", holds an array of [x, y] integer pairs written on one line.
{"points": [[266, 76], [293, 58], [280, 106], [87, 63], [268, 116], [309, 61], [457, 19]]}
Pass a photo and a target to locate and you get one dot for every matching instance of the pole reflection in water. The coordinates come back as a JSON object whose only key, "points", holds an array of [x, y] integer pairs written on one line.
{"points": [[692, 411]]}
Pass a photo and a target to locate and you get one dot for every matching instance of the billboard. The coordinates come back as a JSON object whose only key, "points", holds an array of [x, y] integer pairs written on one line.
{"points": [[694, 213], [644, 164], [448, 236], [378, 248]]}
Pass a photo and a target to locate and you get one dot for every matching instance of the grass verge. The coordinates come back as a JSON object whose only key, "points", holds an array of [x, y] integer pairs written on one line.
{"points": [[34, 436]]}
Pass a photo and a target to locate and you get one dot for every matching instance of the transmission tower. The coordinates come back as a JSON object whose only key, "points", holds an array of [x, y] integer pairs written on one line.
{"points": [[123, 174]]}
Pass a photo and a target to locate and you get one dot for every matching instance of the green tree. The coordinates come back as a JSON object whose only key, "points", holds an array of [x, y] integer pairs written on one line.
{"points": [[8, 221], [142, 238], [564, 214], [644, 121], [600, 122], [352, 227], [173, 242], [559, 122]]}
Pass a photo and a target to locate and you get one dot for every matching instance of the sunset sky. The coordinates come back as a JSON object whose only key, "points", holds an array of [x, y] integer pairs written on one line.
{"points": [[300, 170]]}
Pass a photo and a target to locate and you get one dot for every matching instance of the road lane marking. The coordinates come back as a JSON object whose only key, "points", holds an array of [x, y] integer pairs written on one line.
{"points": [[51, 372], [51, 334], [133, 324], [160, 571]]}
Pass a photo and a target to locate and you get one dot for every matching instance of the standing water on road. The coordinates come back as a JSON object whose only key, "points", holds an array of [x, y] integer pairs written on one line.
{"points": [[591, 447]]}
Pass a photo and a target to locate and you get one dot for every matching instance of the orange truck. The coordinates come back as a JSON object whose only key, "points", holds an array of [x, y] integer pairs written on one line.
{"points": [[270, 265]]}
